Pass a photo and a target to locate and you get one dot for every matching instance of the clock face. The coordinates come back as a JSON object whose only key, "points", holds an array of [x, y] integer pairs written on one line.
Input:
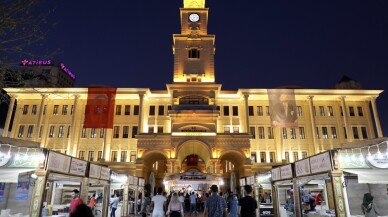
{"points": [[194, 17]]}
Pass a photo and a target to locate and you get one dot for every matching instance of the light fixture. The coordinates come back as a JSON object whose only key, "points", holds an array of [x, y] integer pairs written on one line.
{"points": [[34, 176]]}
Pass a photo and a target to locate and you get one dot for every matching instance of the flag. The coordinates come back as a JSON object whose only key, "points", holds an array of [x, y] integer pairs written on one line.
{"points": [[283, 108], [100, 108]]}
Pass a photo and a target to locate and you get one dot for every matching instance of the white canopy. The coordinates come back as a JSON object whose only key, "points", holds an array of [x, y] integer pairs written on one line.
{"points": [[371, 176], [11, 175]]}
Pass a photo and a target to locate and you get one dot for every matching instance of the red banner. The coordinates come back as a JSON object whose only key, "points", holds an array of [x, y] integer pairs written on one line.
{"points": [[100, 107]]}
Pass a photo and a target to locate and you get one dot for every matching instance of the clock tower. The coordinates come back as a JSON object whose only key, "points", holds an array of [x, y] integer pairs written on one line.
{"points": [[193, 48]]}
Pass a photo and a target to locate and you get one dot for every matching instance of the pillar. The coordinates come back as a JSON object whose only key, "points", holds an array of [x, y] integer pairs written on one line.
{"points": [[246, 130], [346, 121], [141, 104], [9, 115], [70, 142], [338, 191], [40, 117], [313, 124], [125, 206], [84, 189], [37, 194], [376, 117]]}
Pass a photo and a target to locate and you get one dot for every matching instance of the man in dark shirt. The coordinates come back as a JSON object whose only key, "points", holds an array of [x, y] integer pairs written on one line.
{"points": [[247, 206], [215, 205]]}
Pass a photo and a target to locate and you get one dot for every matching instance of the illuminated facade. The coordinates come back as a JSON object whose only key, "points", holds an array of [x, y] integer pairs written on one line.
{"points": [[225, 130]]}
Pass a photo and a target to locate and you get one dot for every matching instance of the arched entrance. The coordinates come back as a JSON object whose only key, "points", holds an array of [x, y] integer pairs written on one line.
{"points": [[193, 155], [154, 162], [232, 164]]}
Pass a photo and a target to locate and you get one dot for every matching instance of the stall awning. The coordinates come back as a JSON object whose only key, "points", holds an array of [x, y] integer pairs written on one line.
{"points": [[371, 176], [12, 175]]}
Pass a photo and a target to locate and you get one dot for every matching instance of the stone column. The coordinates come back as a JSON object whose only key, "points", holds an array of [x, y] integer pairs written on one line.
{"points": [[246, 130], [141, 104], [40, 117], [376, 117], [124, 207], [338, 191], [313, 125], [346, 120], [9, 115], [37, 194], [70, 141], [84, 189]]}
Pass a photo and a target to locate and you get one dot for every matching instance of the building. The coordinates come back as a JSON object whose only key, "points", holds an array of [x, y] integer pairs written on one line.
{"points": [[194, 125]]}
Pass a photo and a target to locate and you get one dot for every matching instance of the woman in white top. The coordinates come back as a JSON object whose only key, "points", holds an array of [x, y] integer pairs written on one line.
{"points": [[175, 208]]}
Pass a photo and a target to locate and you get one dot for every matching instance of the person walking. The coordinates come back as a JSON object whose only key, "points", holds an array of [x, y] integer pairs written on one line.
{"points": [[145, 204], [233, 206], [215, 205], [158, 204], [175, 208], [368, 207], [247, 206], [193, 203], [76, 201], [113, 204]]}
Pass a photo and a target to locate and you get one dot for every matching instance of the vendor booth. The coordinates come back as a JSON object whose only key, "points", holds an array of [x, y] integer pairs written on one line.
{"points": [[365, 170], [98, 188], [17, 166], [284, 202], [263, 194]]}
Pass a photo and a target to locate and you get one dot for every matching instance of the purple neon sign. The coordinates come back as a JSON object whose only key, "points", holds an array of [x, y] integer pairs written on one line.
{"points": [[65, 69], [37, 63]]}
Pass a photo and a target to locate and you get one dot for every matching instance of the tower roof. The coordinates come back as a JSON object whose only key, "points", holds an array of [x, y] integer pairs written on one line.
{"points": [[194, 3]]}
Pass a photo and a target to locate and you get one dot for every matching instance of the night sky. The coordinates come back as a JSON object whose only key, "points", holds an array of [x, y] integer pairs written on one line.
{"points": [[260, 44]]}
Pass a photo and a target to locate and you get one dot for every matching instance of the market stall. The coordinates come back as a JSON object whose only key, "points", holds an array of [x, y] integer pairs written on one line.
{"points": [[17, 166], [284, 202], [263, 194], [98, 188]]}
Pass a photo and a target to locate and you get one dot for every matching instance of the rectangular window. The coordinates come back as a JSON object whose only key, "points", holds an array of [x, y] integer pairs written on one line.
{"points": [[44, 109], [30, 131], [61, 131], [263, 157], [64, 109], [116, 132], [364, 133], [299, 112], [194, 54], [296, 155], [123, 157], [84, 132], [226, 110], [127, 110], [260, 110], [113, 157], [161, 110], [324, 133], [21, 131], [93, 133], [253, 156], [271, 156], [270, 132], [322, 110], [351, 111], [34, 109], [235, 110], [51, 132], [261, 133], [292, 133], [136, 110], [317, 132], [360, 112], [304, 154], [72, 110], [160, 129], [301, 133], [118, 110], [287, 156], [226, 129], [125, 131], [151, 129], [91, 156], [236, 129], [134, 131], [25, 109], [99, 155], [267, 111], [330, 111], [133, 156], [40, 131], [68, 131], [342, 111], [284, 133], [355, 133], [102, 133], [333, 133], [346, 135], [252, 132], [55, 110], [81, 155], [169, 108], [152, 110], [250, 110]]}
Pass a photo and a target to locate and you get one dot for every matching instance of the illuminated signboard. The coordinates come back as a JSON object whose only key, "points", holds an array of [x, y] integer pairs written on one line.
{"points": [[65, 69], [37, 63]]}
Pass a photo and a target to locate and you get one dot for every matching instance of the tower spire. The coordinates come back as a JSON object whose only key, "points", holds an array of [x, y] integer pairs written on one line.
{"points": [[194, 3]]}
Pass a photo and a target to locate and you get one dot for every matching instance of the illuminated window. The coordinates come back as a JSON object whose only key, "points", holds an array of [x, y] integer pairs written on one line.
{"points": [[55, 110], [99, 155], [91, 156], [25, 109], [260, 110], [284, 133], [194, 53], [304, 154], [34, 109], [322, 110], [21, 131], [123, 157], [330, 111], [51, 132], [324, 133], [113, 157], [118, 109], [263, 157], [93, 133], [360, 112], [333, 133], [299, 111], [30, 131], [81, 155], [116, 132], [261, 133], [64, 109], [253, 156], [127, 110], [250, 110], [84, 133], [61, 131], [125, 131], [271, 157], [296, 156], [133, 156], [270, 132], [292, 133], [301, 133], [102, 133], [267, 111], [226, 129]]}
